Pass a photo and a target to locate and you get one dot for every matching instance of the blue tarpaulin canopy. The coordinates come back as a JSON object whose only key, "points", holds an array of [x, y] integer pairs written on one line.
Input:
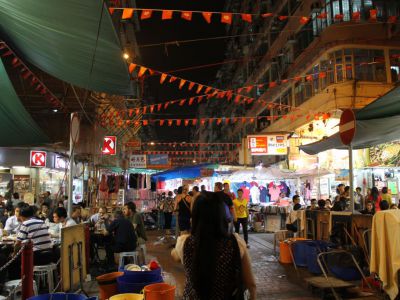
{"points": [[189, 172]]}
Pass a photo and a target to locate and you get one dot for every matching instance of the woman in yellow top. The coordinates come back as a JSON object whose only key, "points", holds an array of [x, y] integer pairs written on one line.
{"points": [[242, 214], [386, 196]]}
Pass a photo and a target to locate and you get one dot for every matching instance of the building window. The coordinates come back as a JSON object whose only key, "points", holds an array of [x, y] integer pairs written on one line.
{"points": [[395, 65], [369, 65]]}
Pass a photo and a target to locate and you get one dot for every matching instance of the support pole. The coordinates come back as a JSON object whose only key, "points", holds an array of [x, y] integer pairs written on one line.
{"points": [[70, 175], [351, 178], [27, 272]]}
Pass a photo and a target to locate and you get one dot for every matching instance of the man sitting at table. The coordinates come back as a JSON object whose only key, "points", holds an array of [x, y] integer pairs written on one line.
{"points": [[99, 236], [124, 234], [36, 231], [60, 217], [12, 223]]}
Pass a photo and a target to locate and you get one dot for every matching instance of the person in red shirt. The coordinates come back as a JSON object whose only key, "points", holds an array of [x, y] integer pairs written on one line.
{"points": [[375, 198]]}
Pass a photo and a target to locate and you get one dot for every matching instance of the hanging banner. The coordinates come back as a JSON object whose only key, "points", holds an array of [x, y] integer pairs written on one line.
{"points": [[134, 144], [138, 161], [158, 161], [267, 144]]}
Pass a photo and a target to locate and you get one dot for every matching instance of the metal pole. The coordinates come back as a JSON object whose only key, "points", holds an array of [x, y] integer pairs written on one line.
{"points": [[351, 179], [70, 172]]}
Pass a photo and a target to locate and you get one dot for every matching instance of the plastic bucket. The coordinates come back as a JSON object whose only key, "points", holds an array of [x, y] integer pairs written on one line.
{"points": [[135, 284], [127, 297], [284, 253], [313, 248], [140, 276], [61, 296], [108, 284], [299, 249], [159, 291]]}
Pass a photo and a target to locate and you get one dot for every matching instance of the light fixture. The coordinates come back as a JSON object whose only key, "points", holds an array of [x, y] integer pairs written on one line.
{"points": [[259, 165], [125, 55], [55, 110], [152, 143], [194, 161]]}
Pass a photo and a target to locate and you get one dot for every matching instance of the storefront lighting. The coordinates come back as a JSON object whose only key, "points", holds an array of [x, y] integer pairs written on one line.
{"points": [[152, 143], [3, 168], [55, 110], [19, 167], [194, 161], [125, 55]]}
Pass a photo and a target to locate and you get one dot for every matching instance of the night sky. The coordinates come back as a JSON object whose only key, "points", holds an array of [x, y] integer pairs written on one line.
{"points": [[172, 57]]}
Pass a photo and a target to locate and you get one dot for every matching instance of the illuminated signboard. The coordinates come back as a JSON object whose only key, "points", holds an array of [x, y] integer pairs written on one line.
{"points": [[267, 144]]}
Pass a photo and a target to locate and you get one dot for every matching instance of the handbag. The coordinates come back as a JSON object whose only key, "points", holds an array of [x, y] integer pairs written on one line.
{"points": [[238, 293]]}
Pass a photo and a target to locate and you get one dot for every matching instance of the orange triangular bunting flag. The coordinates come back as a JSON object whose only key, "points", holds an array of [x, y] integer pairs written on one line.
{"points": [[144, 109], [162, 78], [226, 18], [247, 18], [170, 122], [194, 121], [131, 68], [159, 106], [282, 18], [172, 79], [191, 85], [127, 13], [151, 108], [145, 122], [208, 89], [182, 83], [191, 101], [162, 122], [178, 122], [267, 15], [207, 16], [304, 20], [187, 15], [182, 102], [146, 14], [199, 88], [142, 71], [372, 15], [167, 14], [111, 10], [186, 122], [322, 15], [199, 99], [166, 105], [249, 88]]}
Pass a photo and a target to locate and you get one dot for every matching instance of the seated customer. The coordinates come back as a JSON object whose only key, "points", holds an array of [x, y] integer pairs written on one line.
{"points": [[44, 212], [322, 205], [12, 223], [60, 217], [77, 214], [291, 221], [124, 234], [36, 231], [369, 209], [384, 205]]}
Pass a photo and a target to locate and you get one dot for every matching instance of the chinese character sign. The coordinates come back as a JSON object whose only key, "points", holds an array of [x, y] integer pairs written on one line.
{"points": [[137, 161]]}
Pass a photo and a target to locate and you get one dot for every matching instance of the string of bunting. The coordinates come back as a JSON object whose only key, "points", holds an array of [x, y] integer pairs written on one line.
{"points": [[184, 144], [183, 152], [237, 94], [210, 121], [227, 17], [28, 75]]}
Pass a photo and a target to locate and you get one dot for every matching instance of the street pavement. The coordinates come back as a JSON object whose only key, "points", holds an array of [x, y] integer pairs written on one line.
{"points": [[274, 281]]}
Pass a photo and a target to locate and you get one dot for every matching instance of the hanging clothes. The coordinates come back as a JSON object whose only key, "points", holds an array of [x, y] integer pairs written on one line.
{"points": [[264, 196], [133, 181]]}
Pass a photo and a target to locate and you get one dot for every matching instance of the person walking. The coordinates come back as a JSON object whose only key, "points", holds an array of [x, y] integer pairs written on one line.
{"points": [[168, 209], [182, 205], [375, 198], [242, 214]]}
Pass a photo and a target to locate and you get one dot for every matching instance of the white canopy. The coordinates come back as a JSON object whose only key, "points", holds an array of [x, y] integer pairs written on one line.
{"points": [[260, 174]]}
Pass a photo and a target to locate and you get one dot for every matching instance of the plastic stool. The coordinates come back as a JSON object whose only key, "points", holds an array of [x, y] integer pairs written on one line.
{"points": [[122, 256], [13, 288], [46, 274], [279, 236], [143, 251]]}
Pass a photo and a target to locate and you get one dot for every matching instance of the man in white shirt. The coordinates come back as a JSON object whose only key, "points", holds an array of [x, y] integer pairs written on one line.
{"points": [[60, 217], [12, 224]]}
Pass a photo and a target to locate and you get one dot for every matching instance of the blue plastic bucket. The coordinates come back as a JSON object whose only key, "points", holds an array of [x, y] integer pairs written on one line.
{"points": [[313, 249], [135, 283], [61, 296], [138, 276], [299, 250], [347, 274]]}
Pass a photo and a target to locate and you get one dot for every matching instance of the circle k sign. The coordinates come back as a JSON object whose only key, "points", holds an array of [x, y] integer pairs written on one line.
{"points": [[38, 159]]}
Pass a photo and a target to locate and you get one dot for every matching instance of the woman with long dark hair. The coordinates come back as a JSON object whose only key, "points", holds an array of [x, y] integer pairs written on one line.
{"points": [[217, 264], [375, 198], [182, 206]]}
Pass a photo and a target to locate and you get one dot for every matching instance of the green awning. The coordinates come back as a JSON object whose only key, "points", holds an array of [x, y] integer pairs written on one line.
{"points": [[17, 126], [60, 37], [387, 105]]}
